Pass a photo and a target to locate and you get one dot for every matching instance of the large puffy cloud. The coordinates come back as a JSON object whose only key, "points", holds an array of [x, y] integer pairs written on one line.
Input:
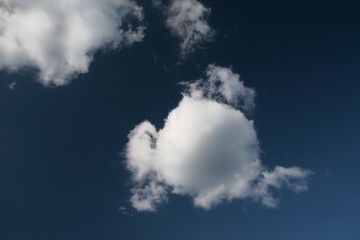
{"points": [[207, 150], [60, 37], [187, 20]]}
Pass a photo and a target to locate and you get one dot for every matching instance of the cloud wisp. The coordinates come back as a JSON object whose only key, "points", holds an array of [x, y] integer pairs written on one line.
{"points": [[59, 37], [12, 85], [187, 20], [207, 149]]}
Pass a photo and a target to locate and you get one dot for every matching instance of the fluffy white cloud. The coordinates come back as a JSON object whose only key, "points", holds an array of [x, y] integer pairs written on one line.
{"points": [[207, 150], [60, 37], [186, 19]]}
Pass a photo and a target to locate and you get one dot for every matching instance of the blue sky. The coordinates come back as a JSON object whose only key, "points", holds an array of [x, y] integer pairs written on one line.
{"points": [[64, 138]]}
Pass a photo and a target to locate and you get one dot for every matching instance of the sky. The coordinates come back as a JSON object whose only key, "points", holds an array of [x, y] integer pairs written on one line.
{"points": [[190, 119]]}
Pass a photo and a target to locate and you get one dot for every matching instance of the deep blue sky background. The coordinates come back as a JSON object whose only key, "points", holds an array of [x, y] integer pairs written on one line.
{"points": [[61, 172]]}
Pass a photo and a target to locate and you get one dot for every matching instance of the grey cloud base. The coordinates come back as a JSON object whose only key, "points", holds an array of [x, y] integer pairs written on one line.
{"points": [[60, 37], [207, 150]]}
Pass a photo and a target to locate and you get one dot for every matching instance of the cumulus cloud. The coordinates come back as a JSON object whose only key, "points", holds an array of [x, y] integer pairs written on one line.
{"points": [[59, 37], [207, 150], [187, 20]]}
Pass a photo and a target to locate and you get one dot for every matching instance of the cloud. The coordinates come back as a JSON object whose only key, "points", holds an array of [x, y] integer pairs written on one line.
{"points": [[12, 85], [207, 150], [187, 20], [60, 37], [223, 85]]}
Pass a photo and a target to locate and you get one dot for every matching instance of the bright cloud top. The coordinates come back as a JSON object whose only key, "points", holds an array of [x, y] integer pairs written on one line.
{"points": [[187, 20], [207, 150], [60, 37]]}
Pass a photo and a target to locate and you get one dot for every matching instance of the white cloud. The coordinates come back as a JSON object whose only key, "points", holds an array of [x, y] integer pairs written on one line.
{"points": [[59, 37], [187, 20], [207, 150]]}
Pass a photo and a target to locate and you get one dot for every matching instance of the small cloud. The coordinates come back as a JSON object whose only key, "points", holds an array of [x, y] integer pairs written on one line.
{"points": [[165, 68], [207, 149], [157, 3], [122, 208], [12, 85], [125, 211], [187, 20], [155, 59]]}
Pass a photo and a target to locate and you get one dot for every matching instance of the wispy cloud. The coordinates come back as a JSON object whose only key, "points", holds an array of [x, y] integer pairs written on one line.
{"points": [[223, 85], [187, 20], [59, 37], [207, 150], [12, 85]]}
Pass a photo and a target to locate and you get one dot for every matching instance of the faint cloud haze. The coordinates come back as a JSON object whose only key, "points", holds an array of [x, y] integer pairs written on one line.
{"points": [[207, 150], [59, 37], [12, 85]]}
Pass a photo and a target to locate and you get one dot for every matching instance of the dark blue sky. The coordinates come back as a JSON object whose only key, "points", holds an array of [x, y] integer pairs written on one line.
{"points": [[62, 172]]}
